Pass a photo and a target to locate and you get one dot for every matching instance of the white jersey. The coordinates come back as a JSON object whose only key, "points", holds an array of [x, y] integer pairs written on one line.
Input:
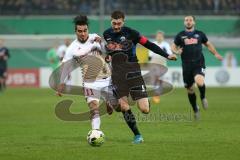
{"points": [[100, 85], [77, 48], [157, 58]]}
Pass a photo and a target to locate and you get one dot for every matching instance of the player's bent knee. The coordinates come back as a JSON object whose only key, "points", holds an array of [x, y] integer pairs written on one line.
{"points": [[199, 79], [123, 102], [145, 110], [144, 106], [124, 106], [93, 104]]}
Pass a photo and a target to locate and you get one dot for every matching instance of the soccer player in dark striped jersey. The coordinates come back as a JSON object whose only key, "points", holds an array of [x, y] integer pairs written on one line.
{"points": [[126, 77], [4, 56], [188, 43]]}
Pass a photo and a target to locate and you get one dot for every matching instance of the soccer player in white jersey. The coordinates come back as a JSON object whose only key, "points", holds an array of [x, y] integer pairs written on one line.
{"points": [[155, 70], [87, 46]]}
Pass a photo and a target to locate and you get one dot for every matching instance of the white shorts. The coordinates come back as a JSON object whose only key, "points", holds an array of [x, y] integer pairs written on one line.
{"points": [[101, 88]]}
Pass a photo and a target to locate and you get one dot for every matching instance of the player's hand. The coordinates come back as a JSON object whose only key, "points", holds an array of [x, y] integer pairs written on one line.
{"points": [[98, 40], [95, 46], [108, 58], [111, 46], [60, 89], [219, 57], [178, 50], [172, 57]]}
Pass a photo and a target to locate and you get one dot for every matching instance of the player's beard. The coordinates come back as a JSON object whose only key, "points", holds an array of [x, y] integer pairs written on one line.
{"points": [[189, 27], [116, 30], [82, 40]]}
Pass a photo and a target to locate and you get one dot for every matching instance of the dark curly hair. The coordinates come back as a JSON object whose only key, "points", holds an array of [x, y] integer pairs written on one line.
{"points": [[80, 20]]}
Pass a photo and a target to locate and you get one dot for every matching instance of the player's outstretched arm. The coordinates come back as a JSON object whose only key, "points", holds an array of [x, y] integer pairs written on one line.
{"points": [[213, 50], [155, 48]]}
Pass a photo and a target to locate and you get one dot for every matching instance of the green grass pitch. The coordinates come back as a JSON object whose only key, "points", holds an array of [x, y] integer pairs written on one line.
{"points": [[30, 130]]}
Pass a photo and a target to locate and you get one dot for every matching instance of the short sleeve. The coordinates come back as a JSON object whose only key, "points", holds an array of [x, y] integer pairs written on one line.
{"points": [[135, 36], [204, 38], [106, 36], [177, 40]]}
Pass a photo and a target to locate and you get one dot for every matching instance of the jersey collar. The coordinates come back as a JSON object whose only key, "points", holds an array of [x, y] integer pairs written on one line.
{"points": [[189, 33]]}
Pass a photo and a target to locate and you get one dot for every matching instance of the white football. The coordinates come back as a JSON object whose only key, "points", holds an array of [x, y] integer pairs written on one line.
{"points": [[95, 137]]}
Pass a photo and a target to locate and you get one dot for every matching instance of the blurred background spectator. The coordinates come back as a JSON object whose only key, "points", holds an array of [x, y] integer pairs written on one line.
{"points": [[229, 61], [136, 7]]}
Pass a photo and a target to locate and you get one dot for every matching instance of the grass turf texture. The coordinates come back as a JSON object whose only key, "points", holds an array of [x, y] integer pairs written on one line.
{"points": [[29, 129]]}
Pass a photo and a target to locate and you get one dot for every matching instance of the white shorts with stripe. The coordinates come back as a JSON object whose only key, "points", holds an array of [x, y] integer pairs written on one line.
{"points": [[99, 89]]}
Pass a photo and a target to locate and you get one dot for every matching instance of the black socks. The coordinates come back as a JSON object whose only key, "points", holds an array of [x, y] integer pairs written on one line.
{"points": [[192, 99], [131, 121], [202, 91]]}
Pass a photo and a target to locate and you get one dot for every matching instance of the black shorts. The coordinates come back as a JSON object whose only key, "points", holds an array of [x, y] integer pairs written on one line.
{"points": [[129, 81], [3, 72], [190, 70]]}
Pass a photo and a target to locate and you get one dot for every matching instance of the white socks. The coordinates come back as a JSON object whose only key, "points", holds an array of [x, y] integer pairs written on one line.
{"points": [[96, 122]]}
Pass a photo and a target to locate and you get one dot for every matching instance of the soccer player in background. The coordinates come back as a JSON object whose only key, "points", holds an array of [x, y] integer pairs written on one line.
{"points": [[123, 80], [84, 48], [52, 57], [156, 59], [61, 50], [188, 43], [4, 56], [229, 60]]}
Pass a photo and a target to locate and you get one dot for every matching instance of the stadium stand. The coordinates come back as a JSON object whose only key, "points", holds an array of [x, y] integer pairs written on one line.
{"points": [[136, 7]]}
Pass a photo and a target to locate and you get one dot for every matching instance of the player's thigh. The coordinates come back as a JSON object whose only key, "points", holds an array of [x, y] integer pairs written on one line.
{"points": [[199, 79], [199, 74], [120, 85], [143, 105], [137, 86], [123, 102], [91, 92]]}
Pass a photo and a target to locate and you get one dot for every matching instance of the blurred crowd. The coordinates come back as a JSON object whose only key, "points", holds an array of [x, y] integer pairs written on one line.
{"points": [[135, 7]]}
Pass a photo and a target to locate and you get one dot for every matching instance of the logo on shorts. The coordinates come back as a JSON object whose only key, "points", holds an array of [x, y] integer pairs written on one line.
{"points": [[143, 88], [203, 70]]}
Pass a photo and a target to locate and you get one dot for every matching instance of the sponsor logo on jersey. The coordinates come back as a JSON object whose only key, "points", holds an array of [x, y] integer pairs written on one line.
{"points": [[122, 38], [183, 37], [190, 41], [196, 35]]}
